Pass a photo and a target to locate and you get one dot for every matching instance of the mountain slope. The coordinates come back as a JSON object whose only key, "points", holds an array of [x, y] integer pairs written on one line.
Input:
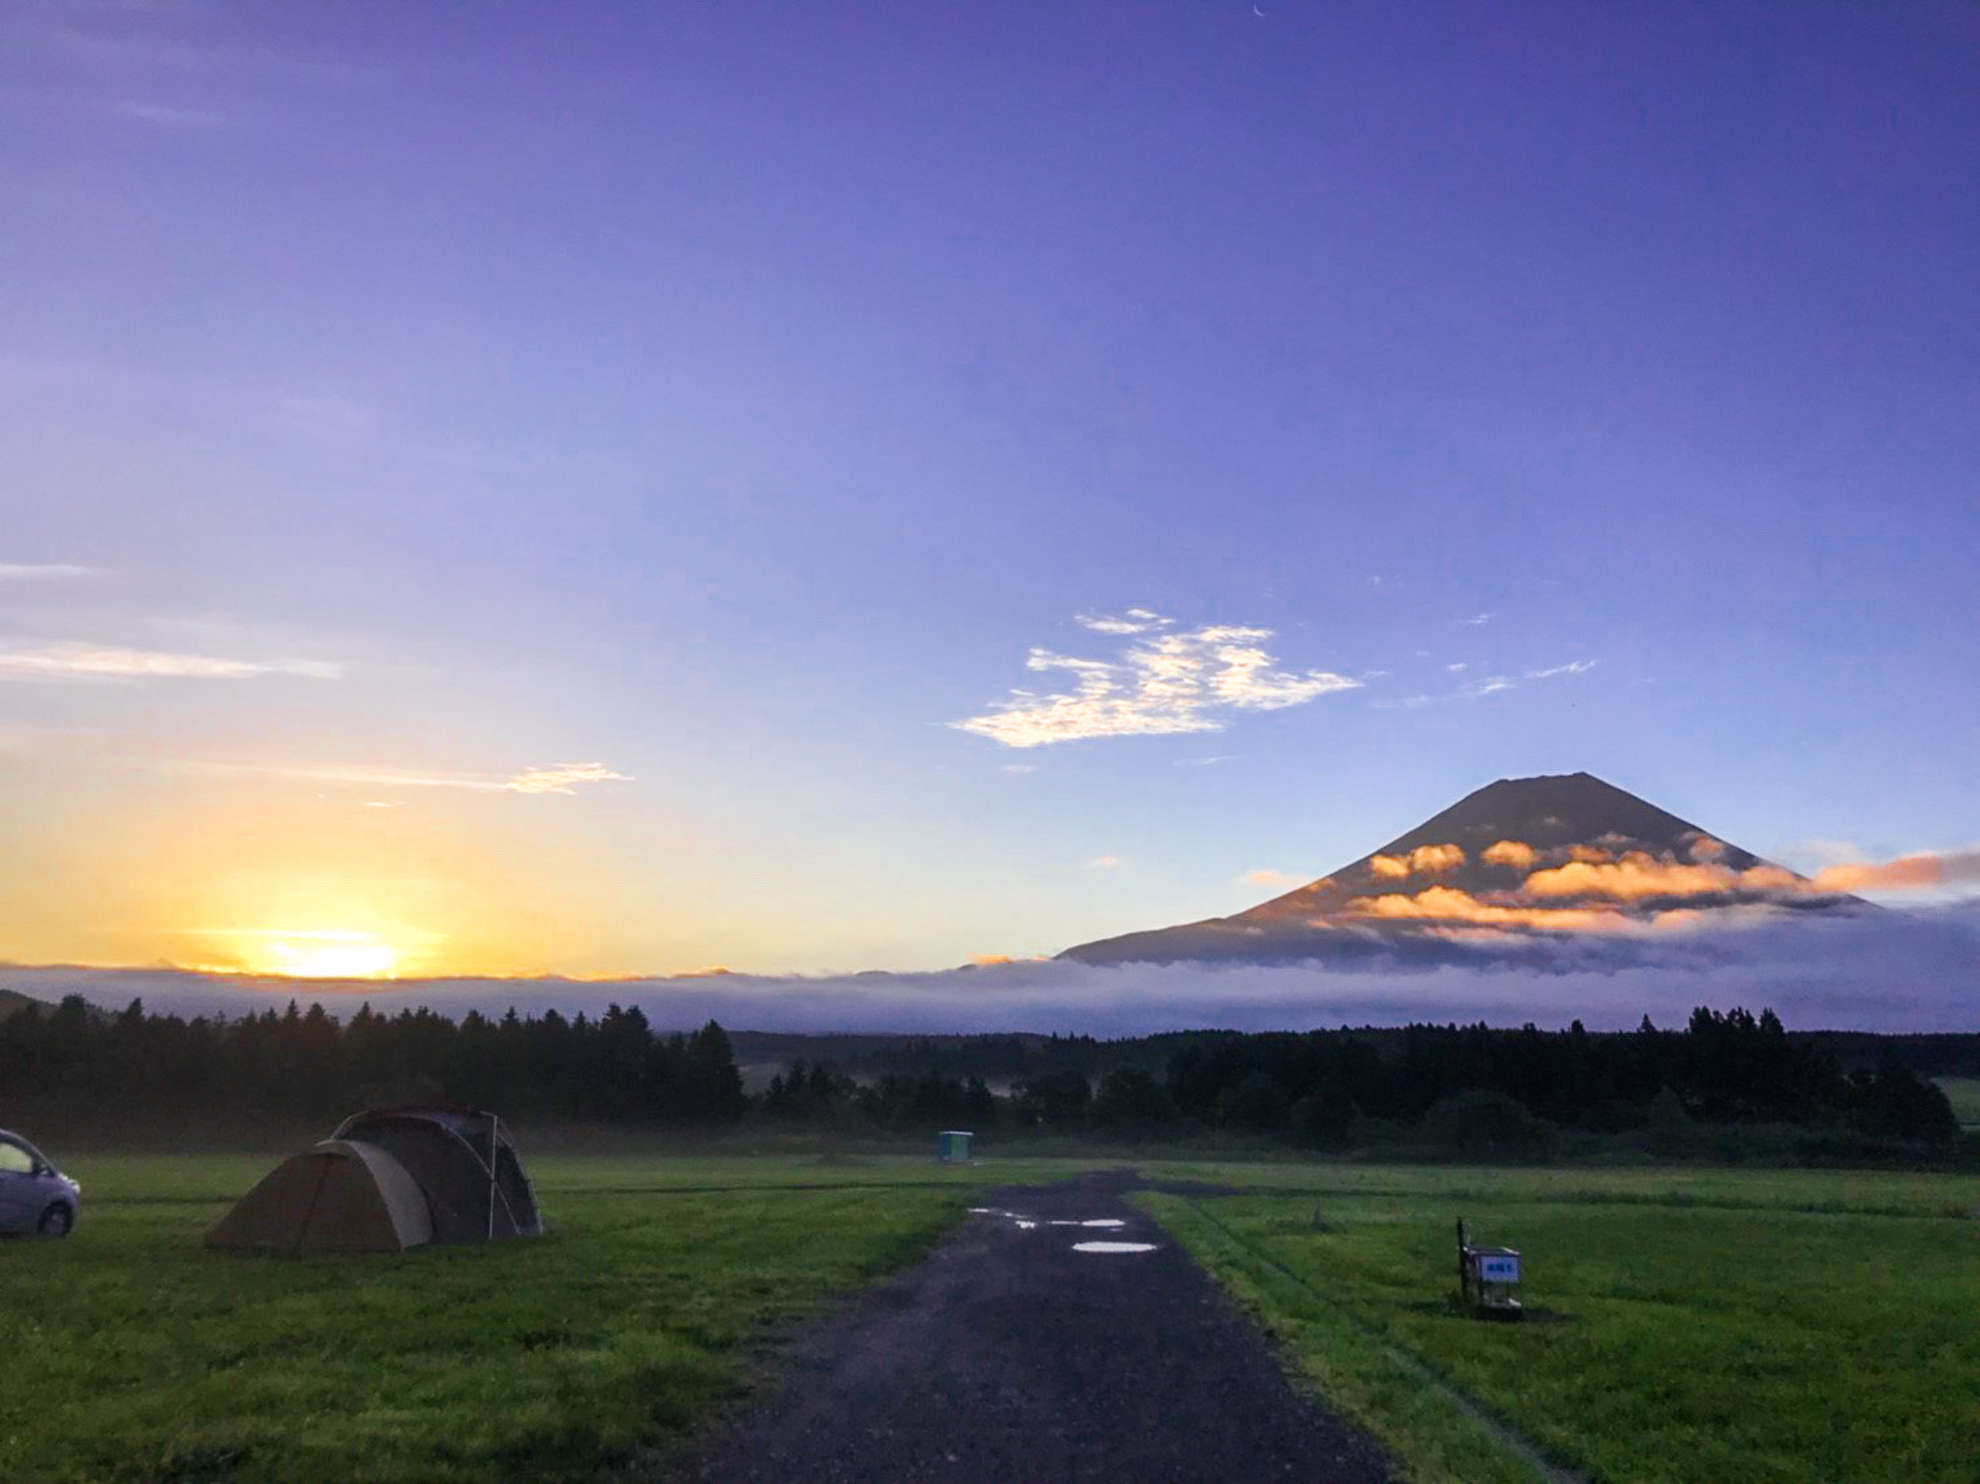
{"points": [[1520, 860]]}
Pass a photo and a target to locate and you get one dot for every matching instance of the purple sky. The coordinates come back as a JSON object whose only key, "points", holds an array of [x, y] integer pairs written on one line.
{"points": [[403, 400]]}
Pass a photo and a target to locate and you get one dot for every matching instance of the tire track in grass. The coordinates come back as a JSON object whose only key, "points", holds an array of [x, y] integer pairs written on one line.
{"points": [[1508, 1437]]}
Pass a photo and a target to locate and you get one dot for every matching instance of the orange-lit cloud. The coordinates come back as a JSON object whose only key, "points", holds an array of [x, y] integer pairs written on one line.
{"points": [[1638, 875], [1589, 855], [1269, 877], [1635, 876], [990, 960], [1907, 873], [1516, 853], [1705, 848], [1447, 904], [1425, 860], [1430, 859], [1774, 879]]}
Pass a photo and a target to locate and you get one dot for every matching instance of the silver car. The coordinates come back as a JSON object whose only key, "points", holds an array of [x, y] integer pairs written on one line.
{"points": [[34, 1195]]}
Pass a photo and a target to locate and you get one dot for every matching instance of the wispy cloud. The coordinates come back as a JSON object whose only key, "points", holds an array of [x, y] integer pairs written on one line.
{"points": [[42, 571], [1812, 855], [564, 778], [1492, 684], [1103, 863], [1163, 684], [168, 115], [1476, 621], [124, 45], [1573, 667], [69, 660], [1134, 621], [561, 779]]}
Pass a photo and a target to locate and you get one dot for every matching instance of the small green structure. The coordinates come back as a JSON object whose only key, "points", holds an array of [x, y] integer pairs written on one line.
{"points": [[952, 1145]]}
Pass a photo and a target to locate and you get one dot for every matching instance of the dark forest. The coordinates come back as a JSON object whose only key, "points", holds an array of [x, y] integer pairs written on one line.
{"points": [[1464, 1090]]}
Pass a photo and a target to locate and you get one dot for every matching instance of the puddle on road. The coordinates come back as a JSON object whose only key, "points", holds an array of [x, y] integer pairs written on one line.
{"points": [[1028, 1223]]}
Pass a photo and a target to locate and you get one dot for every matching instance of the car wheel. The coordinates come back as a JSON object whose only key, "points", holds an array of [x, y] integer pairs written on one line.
{"points": [[56, 1221]]}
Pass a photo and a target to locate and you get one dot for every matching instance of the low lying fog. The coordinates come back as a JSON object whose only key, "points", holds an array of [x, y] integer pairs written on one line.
{"points": [[1893, 971]]}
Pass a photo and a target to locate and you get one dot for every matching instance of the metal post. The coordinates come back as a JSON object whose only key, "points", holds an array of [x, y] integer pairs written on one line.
{"points": [[494, 1128]]}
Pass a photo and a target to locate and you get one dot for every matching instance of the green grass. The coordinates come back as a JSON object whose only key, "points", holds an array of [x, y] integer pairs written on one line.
{"points": [[1964, 1095], [1721, 1324], [1756, 1326], [1354, 1369], [130, 1352]]}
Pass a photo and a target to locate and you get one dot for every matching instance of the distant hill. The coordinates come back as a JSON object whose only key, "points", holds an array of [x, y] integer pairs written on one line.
{"points": [[12, 1000], [1520, 860]]}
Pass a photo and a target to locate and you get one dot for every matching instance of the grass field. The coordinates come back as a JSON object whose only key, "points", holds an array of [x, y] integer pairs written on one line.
{"points": [[1783, 1325], [130, 1352], [1964, 1095], [1710, 1324]]}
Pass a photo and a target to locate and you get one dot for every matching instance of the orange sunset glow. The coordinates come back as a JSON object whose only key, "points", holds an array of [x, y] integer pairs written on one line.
{"points": [[316, 953]]}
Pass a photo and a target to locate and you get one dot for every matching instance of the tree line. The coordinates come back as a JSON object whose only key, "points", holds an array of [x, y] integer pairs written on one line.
{"points": [[1463, 1089], [1469, 1088], [1729, 1068], [613, 1068]]}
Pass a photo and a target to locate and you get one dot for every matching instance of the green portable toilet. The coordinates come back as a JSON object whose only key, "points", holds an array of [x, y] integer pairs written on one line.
{"points": [[952, 1145]]}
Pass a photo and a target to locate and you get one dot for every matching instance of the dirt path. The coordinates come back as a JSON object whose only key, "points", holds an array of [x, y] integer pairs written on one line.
{"points": [[1008, 1355]]}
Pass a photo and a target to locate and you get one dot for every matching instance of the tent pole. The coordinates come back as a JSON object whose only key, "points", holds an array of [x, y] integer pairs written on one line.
{"points": [[494, 1129]]}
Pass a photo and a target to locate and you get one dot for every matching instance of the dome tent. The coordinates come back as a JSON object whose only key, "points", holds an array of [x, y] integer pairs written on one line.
{"points": [[336, 1197], [389, 1179], [463, 1160]]}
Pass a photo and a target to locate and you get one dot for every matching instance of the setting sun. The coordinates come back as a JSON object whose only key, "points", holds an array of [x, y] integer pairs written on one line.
{"points": [[319, 954]]}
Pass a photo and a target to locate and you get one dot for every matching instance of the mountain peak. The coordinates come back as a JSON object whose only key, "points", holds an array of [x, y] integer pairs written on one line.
{"points": [[1520, 859]]}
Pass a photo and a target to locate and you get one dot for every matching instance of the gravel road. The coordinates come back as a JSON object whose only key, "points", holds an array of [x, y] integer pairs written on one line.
{"points": [[1008, 1355]]}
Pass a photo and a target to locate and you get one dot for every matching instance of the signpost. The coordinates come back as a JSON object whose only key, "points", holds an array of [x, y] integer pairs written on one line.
{"points": [[1488, 1279]]}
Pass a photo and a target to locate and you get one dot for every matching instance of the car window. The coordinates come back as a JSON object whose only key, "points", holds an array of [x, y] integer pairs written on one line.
{"points": [[15, 1160]]}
